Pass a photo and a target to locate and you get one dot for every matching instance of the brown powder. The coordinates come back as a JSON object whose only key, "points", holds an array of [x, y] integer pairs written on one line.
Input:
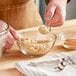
{"points": [[35, 47], [44, 30], [70, 43]]}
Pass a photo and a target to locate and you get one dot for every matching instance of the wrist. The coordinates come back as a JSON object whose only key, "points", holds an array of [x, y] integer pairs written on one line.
{"points": [[65, 1], [47, 1]]}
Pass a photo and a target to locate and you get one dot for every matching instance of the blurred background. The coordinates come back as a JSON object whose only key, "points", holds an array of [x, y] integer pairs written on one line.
{"points": [[71, 9]]}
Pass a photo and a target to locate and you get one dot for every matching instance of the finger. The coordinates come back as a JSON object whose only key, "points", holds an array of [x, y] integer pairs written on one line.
{"points": [[45, 14], [9, 42], [50, 15], [14, 33], [58, 19], [49, 10]]}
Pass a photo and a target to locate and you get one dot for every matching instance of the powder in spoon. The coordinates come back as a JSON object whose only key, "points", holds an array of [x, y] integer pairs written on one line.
{"points": [[44, 30]]}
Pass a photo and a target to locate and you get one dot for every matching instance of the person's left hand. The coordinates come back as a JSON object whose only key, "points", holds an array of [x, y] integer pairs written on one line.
{"points": [[11, 38]]}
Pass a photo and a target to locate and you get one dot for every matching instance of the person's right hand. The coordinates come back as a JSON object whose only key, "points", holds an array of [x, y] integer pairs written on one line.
{"points": [[11, 38], [55, 13]]}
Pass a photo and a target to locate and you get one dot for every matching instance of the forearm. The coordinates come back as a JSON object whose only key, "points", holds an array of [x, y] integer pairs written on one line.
{"points": [[47, 1]]}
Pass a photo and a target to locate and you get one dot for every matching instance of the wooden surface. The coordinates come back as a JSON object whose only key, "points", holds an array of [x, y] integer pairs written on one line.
{"points": [[7, 67]]}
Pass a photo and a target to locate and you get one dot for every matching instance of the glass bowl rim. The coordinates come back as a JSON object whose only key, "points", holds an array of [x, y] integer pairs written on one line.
{"points": [[55, 37], [6, 29]]}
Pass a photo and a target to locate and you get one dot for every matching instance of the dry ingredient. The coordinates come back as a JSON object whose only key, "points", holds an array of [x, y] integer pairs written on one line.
{"points": [[44, 30], [35, 47], [70, 43]]}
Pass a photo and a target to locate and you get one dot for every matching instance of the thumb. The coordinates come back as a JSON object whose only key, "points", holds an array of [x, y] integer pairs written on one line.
{"points": [[50, 13], [14, 33]]}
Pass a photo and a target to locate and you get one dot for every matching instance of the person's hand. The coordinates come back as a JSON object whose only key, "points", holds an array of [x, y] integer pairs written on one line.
{"points": [[55, 13], [11, 38]]}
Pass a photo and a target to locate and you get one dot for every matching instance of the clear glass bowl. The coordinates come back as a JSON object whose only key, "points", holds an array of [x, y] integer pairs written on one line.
{"points": [[4, 28], [40, 45], [68, 38]]}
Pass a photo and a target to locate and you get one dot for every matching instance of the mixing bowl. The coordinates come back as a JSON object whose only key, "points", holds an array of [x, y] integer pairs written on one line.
{"points": [[37, 44]]}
